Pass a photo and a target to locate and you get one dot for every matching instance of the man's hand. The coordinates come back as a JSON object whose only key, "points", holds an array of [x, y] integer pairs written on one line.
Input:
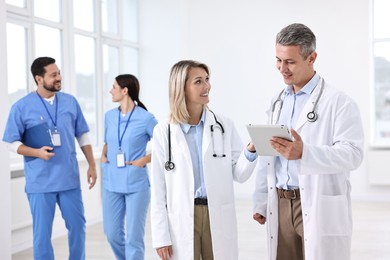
{"points": [[165, 252], [291, 150], [259, 218], [91, 176], [91, 173], [45, 153]]}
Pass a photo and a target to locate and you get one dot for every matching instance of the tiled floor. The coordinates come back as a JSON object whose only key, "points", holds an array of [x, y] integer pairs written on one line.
{"points": [[371, 237]]}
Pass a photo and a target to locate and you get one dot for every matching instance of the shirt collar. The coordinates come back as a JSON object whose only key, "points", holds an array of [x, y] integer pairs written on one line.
{"points": [[186, 127], [307, 89]]}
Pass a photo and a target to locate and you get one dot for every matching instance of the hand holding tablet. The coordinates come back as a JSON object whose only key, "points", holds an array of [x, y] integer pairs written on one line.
{"points": [[262, 134]]}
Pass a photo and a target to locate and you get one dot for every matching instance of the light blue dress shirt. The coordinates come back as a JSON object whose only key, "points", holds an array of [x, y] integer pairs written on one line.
{"points": [[287, 170], [194, 137]]}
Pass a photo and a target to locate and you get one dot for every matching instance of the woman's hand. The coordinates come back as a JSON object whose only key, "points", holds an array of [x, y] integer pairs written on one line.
{"points": [[251, 147], [139, 163], [103, 158]]}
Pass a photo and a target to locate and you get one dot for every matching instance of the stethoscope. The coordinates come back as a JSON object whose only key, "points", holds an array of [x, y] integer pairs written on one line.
{"points": [[312, 116], [169, 165]]}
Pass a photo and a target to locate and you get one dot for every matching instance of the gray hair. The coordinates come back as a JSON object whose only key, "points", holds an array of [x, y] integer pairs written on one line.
{"points": [[297, 34]]}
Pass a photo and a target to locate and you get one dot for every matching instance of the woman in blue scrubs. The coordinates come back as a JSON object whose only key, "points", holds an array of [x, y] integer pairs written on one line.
{"points": [[126, 188]]}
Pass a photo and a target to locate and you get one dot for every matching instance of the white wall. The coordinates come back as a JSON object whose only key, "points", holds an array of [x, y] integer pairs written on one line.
{"points": [[236, 39], [163, 41]]}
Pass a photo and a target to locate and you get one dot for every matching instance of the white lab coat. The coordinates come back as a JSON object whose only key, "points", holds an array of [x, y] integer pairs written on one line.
{"points": [[333, 146], [172, 192]]}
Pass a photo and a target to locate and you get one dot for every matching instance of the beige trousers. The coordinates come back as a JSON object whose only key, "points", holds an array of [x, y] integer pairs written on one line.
{"points": [[290, 235], [203, 248]]}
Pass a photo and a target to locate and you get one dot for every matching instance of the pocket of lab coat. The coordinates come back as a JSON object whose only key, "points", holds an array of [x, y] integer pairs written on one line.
{"points": [[334, 217]]}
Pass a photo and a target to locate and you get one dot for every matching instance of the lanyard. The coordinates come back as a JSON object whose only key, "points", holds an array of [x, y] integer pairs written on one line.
{"points": [[120, 137], [47, 110]]}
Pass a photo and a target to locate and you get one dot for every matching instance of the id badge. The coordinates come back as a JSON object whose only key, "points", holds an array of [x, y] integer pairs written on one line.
{"points": [[120, 159], [56, 139]]}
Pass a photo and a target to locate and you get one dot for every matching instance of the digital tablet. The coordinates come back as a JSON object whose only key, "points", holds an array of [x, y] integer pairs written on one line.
{"points": [[262, 134]]}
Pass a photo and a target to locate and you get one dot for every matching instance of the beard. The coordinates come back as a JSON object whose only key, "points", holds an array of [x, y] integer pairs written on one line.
{"points": [[52, 87]]}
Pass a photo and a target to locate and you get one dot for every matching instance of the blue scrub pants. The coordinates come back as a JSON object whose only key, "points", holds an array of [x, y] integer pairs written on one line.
{"points": [[42, 206], [133, 206]]}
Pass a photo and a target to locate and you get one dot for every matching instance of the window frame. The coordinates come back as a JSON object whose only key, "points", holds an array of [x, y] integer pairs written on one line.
{"points": [[25, 17], [376, 141]]}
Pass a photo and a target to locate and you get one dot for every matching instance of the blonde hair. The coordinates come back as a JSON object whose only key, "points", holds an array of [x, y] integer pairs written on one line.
{"points": [[177, 82]]}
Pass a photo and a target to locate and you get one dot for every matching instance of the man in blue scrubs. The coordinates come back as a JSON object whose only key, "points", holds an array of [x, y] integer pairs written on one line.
{"points": [[42, 126]]}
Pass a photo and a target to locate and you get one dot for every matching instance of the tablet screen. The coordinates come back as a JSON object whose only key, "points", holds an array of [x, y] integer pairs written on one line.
{"points": [[262, 134]]}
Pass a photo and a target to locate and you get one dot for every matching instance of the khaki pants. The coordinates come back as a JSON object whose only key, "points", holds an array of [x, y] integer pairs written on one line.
{"points": [[202, 235], [290, 235]]}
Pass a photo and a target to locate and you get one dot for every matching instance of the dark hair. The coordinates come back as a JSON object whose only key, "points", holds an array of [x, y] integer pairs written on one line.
{"points": [[38, 66], [131, 83]]}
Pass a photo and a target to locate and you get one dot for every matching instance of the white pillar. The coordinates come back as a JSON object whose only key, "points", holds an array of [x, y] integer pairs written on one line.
{"points": [[5, 175]]}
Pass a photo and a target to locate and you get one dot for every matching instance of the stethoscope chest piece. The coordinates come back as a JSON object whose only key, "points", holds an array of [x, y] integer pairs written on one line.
{"points": [[169, 165], [312, 116]]}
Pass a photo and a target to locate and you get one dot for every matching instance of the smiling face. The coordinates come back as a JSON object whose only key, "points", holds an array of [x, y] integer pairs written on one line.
{"points": [[295, 69], [197, 87], [51, 80]]}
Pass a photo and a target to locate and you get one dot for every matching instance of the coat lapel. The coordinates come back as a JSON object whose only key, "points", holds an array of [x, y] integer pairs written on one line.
{"points": [[308, 107], [209, 121], [178, 139]]}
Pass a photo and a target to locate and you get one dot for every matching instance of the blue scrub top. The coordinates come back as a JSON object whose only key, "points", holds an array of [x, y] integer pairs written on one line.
{"points": [[61, 172], [138, 133]]}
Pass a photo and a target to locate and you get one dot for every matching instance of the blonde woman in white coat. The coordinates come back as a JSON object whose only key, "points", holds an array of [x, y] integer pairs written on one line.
{"points": [[304, 194], [196, 156]]}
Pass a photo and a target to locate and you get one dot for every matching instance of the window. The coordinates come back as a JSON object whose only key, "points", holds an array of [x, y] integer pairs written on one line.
{"points": [[381, 60], [18, 3], [84, 50], [45, 47], [17, 66], [111, 70], [92, 41], [83, 15]]}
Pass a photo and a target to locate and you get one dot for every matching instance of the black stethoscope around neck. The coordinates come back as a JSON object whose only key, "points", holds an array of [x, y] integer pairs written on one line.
{"points": [[312, 116], [170, 165]]}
